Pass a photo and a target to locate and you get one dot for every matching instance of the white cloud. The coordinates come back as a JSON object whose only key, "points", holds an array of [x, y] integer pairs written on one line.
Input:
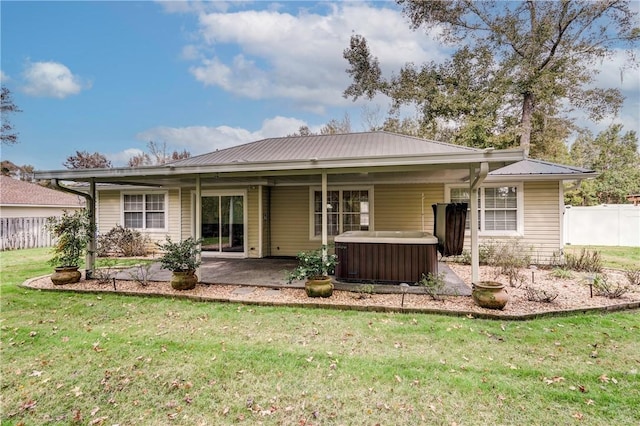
{"points": [[201, 139], [123, 157], [4, 77], [51, 79], [276, 54]]}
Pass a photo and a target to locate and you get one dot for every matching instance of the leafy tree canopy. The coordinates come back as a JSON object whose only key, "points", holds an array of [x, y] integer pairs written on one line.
{"points": [[615, 156], [85, 160], [520, 67], [8, 136]]}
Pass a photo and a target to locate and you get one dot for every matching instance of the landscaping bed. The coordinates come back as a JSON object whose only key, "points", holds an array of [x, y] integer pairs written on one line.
{"points": [[572, 294]]}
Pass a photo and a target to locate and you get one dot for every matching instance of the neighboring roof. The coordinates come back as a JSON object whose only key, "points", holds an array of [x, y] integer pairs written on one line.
{"points": [[325, 147], [17, 192], [538, 169]]}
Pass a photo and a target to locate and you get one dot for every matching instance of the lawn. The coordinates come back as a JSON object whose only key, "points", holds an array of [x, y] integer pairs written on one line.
{"points": [[111, 359], [612, 256]]}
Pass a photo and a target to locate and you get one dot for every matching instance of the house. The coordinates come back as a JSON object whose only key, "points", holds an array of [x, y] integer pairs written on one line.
{"points": [[24, 206], [277, 196]]}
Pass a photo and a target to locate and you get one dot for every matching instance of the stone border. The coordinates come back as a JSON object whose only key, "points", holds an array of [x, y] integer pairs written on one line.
{"points": [[343, 307]]}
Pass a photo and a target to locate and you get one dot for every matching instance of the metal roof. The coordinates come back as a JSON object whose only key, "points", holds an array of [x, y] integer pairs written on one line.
{"points": [[325, 147], [537, 167]]}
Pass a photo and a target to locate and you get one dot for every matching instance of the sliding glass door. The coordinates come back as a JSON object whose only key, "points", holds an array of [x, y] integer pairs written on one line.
{"points": [[223, 223]]}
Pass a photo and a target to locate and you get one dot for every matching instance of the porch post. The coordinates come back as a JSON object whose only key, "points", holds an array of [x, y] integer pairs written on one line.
{"points": [[260, 221], [475, 180], [473, 224], [90, 259], [325, 233], [198, 219]]}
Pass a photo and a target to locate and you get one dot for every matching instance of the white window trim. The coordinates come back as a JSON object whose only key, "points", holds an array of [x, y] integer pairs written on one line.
{"points": [[144, 229], [314, 189], [519, 232]]}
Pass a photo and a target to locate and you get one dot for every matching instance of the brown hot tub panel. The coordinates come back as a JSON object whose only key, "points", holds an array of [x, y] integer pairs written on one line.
{"points": [[391, 258]]}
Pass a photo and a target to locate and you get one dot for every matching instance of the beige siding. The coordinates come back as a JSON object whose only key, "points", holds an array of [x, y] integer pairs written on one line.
{"points": [[400, 207], [109, 214], [252, 225], [542, 232], [290, 221], [34, 211], [542, 219]]}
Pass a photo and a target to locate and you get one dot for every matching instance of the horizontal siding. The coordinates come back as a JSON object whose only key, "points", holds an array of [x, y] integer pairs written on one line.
{"points": [[290, 221], [109, 215], [542, 227], [252, 222], [400, 207]]}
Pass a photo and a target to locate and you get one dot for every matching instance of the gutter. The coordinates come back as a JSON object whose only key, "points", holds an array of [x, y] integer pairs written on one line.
{"points": [[90, 259]]}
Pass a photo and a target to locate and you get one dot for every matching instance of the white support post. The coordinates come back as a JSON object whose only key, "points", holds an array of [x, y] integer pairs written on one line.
{"points": [[473, 221], [325, 232], [198, 219], [475, 180], [260, 221]]}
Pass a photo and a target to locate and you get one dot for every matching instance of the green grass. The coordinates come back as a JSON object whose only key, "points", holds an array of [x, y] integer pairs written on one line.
{"points": [[615, 257], [78, 358]]}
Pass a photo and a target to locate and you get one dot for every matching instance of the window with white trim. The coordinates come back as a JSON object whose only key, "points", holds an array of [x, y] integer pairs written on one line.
{"points": [[144, 211], [347, 210], [499, 208]]}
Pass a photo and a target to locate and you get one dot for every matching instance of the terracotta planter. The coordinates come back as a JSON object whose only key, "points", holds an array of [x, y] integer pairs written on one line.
{"points": [[319, 288], [490, 294], [65, 275], [184, 280]]}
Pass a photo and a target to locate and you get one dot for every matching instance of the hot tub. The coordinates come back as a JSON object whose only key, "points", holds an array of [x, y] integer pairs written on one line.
{"points": [[390, 257]]}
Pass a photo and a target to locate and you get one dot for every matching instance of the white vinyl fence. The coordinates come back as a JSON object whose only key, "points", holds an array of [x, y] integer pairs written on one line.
{"points": [[605, 225], [24, 232]]}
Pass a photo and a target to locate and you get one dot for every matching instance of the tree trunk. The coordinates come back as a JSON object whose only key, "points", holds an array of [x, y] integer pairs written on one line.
{"points": [[525, 122]]}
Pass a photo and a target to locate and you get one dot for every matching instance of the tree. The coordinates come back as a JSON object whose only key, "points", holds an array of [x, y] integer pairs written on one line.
{"points": [[157, 155], [84, 160], [517, 59], [8, 136], [615, 156], [24, 172]]}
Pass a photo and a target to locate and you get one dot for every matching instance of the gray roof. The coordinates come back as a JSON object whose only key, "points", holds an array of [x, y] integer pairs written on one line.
{"points": [[325, 147], [538, 167]]}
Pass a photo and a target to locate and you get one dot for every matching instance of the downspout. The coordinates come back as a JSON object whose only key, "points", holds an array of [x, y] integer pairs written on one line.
{"points": [[90, 259], [474, 182]]}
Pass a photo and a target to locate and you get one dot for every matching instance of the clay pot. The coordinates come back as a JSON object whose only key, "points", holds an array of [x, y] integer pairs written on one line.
{"points": [[319, 288], [66, 275], [184, 280], [490, 294]]}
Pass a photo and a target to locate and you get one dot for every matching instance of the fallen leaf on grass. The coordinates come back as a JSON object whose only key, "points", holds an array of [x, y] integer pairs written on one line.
{"points": [[98, 421]]}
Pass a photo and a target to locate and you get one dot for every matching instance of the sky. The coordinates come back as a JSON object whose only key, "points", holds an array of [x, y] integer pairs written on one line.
{"points": [[110, 76]]}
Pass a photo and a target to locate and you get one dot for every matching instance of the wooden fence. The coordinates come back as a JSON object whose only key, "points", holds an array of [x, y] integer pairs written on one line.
{"points": [[24, 232]]}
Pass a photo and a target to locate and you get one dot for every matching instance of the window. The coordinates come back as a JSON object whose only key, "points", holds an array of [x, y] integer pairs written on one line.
{"points": [[347, 210], [499, 208], [144, 211]]}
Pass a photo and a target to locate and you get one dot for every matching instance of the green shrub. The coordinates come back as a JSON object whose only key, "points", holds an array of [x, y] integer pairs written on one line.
{"points": [[365, 291], [586, 261], [561, 273], [123, 242], [433, 284]]}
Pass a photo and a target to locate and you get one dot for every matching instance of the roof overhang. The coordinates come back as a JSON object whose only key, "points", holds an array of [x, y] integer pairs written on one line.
{"points": [[166, 174]]}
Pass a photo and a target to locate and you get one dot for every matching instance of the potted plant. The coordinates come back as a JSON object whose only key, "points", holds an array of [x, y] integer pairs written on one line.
{"points": [[182, 259], [72, 232], [315, 267]]}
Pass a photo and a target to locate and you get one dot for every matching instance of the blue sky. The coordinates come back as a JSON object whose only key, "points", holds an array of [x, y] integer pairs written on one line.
{"points": [[110, 76]]}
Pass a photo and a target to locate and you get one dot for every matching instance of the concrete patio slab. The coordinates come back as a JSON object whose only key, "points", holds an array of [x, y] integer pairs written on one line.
{"points": [[271, 272]]}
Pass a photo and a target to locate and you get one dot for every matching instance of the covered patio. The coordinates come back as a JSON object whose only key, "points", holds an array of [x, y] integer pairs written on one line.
{"points": [[270, 272]]}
